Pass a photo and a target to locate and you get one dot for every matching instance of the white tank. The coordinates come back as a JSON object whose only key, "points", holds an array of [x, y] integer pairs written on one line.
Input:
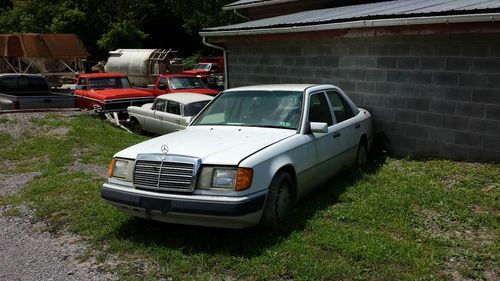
{"points": [[143, 65]]}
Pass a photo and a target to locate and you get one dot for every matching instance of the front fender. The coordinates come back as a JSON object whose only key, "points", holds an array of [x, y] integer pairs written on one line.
{"points": [[294, 152], [264, 172]]}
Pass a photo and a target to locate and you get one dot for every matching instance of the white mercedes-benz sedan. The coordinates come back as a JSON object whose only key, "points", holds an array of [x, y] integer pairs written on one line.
{"points": [[244, 160]]}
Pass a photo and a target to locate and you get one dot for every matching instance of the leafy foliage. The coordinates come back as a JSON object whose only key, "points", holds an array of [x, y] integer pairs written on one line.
{"points": [[108, 25]]}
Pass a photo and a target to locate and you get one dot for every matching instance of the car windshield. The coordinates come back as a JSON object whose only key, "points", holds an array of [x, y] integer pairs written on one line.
{"points": [[194, 108], [177, 83], [275, 109], [202, 66], [109, 83]]}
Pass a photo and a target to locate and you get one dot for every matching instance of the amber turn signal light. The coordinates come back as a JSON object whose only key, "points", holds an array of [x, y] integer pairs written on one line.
{"points": [[111, 167], [243, 178]]}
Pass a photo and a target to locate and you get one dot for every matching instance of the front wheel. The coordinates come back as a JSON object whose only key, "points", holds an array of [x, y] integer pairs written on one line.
{"points": [[136, 127], [279, 200]]}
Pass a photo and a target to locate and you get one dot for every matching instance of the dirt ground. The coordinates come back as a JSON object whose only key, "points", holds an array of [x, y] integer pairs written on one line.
{"points": [[28, 250]]}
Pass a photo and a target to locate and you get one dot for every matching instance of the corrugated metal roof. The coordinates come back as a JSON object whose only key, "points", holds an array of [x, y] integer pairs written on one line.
{"points": [[253, 3], [42, 46], [380, 10]]}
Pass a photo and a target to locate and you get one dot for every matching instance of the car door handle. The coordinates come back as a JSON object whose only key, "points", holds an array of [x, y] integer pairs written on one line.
{"points": [[357, 126], [336, 135]]}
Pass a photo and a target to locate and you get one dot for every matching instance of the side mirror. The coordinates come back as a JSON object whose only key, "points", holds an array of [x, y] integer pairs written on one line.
{"points": [[84, 87], [162, 87], [188, 119], [319, 127]]}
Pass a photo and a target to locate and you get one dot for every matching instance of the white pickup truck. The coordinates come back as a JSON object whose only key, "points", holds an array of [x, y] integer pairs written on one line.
{"points": [[30, 91]]}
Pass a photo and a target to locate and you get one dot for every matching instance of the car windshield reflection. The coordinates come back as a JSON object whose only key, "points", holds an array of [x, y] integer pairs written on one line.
{"points": [[177, 83], [273, 109]]}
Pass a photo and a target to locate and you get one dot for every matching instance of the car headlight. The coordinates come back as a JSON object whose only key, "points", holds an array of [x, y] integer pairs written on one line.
{"points": [[121, 169], [228, 178], [224, 178]]}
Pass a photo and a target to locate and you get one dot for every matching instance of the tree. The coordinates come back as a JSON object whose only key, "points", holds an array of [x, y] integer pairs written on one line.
{"points": [[123, 34], [108, 25], [200, 14]]}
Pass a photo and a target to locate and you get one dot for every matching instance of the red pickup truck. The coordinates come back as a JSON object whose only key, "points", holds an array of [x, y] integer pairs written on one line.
{"points": [[175, 83], [108, 92], [206, 67]]}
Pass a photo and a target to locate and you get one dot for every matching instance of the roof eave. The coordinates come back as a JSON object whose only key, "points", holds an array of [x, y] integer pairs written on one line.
{"points": [[468, 18], [255, 4]]}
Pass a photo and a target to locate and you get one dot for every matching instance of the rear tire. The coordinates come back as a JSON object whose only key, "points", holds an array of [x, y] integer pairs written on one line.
{"points": [[279, 200], [136, 127], [362, 155]]}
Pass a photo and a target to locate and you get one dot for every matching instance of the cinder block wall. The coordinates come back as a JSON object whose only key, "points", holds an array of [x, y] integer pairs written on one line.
{"points": [[429, 94]]}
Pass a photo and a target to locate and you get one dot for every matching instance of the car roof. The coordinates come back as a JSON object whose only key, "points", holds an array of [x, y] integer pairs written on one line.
{"points": [[274, 87], [104, 75], [185, 97], [21, 75]]}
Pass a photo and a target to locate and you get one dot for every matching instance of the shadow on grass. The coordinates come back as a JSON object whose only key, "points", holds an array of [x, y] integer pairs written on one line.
{"points": [[247, 242]]}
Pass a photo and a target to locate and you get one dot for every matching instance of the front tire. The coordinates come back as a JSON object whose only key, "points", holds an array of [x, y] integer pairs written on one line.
{"points": [[279, 200], [136, 127]]}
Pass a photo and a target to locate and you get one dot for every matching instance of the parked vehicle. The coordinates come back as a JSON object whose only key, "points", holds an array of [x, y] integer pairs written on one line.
{"points": [[178, 83], [169, 113], [246, 158], [210, 70], [30, 91], [108, 92]]}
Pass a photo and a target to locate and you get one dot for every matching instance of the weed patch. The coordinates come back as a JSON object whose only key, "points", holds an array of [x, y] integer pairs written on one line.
{"points": [[399, 219]]}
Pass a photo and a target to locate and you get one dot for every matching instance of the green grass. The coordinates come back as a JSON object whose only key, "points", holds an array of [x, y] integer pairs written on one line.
{"points": [[400, 219]]}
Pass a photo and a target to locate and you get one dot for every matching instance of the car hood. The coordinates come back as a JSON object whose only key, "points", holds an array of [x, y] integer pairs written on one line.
{"points": [[195, 71], [108, 94], [219, 145]]}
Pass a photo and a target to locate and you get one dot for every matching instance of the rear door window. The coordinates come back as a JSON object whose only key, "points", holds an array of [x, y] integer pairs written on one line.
{"points": [[340, 107], [173, 108]]}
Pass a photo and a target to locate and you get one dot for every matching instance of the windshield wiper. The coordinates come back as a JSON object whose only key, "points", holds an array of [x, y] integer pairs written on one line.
{"points": [[270, 126]]}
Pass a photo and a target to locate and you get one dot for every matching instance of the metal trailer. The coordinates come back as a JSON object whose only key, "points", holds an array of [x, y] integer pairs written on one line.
{"points": [[143, 65], [58, 57]]}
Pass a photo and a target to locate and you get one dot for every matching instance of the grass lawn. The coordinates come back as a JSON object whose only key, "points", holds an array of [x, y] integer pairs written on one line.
{"points": [[400, 219]]}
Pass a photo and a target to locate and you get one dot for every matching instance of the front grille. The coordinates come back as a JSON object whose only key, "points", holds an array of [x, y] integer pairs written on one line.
{"points": [[166, 172]]}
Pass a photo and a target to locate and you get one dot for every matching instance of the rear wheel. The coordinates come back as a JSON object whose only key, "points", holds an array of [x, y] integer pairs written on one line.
{"points": [[279, 200], [362, 155], [136, 127]]}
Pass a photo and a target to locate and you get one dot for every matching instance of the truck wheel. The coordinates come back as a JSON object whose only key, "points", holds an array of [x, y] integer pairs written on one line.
{"points": [[136, 127], [362, 155], [279, 200]]}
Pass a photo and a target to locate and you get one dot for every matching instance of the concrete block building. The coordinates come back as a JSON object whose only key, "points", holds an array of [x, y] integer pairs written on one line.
{"points": [[429, 71]]}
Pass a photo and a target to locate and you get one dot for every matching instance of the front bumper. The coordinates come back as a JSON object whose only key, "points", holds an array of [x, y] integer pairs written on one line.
{"points": [[214, 211]]}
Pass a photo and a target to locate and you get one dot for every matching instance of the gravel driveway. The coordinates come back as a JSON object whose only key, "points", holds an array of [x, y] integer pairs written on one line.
{"points": [[27, 250]]}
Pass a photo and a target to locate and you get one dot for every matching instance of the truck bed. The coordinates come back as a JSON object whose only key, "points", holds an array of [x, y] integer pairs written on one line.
{"points": [[35, 100]]}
